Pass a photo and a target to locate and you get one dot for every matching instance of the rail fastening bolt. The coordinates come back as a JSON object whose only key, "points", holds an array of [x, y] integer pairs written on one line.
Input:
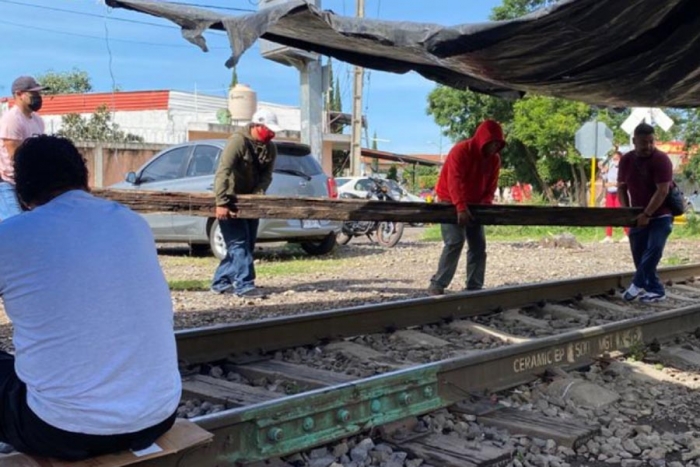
{"points": [[405, 398], [343, 416], [375, 406], [275, 434], [428, 392], [308, 424]]}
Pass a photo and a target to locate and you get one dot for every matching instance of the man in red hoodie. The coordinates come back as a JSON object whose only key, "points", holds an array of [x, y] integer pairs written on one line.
{"points": [[469, 176]]}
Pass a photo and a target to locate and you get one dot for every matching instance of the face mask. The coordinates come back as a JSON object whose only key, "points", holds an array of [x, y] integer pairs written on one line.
{"points": [[265, 135], [35, 102]]}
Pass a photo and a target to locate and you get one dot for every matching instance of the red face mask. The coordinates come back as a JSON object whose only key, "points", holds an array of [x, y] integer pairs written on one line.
{"points": [[265, 135]]}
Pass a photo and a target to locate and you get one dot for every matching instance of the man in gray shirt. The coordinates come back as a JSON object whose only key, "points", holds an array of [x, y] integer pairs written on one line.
{"points": [[95, 365]]}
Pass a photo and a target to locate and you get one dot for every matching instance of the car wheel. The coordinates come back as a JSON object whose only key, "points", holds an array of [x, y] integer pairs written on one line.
{"points": [[322, 247], [216, 241]]}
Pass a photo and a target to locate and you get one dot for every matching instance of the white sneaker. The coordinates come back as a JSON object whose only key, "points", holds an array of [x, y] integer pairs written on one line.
{"points": [[624, 239], [632, 292], [607, 240], [652, 298]]}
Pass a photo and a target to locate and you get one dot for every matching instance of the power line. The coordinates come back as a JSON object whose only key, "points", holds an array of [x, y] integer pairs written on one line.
{"points": [[213, 6], [32, 27], [93, 15]]}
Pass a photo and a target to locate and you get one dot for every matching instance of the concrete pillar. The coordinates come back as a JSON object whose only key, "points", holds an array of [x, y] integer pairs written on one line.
{"points": [[98, 176], [311, 77]]}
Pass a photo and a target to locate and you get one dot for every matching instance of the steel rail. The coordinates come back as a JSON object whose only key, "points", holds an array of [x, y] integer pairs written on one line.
{"points": [[290, 424], [217, 342]]}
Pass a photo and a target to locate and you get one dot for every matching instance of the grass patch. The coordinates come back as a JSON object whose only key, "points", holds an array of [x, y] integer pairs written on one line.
{"points": [[188, 285], [511, 233], [292, 267], [674, 260], [505, 233], [287, 266]]}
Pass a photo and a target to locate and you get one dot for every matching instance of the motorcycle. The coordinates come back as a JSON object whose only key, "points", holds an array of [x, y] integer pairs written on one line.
{"points": [[385, 233]]}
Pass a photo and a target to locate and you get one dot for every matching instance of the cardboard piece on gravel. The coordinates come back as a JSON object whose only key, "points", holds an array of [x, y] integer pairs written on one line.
{"points": [[183, 435]]}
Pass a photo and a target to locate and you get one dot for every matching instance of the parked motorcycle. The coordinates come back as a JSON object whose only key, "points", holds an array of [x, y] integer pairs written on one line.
{"points": [[385, 233]]}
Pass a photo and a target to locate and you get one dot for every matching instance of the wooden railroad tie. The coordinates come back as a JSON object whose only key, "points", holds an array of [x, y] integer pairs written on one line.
{"points": [[263, 206]]}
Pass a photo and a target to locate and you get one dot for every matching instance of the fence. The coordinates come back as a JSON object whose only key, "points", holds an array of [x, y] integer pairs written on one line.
{"points": [[108, 163]]}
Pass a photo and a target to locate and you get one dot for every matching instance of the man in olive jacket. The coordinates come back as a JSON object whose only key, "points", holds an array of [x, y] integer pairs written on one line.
{"points": [[245, 167]]}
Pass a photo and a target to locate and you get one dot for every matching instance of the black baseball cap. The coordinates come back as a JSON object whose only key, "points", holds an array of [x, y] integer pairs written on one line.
{"points": [[26, 83]]}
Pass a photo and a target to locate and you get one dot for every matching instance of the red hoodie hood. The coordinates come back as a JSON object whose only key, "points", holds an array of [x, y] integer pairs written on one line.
{"points": [[467, 176], [488, 131]]}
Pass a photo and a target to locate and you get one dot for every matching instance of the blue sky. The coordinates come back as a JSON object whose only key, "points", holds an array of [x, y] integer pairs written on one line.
{"points": [[136, 56]]}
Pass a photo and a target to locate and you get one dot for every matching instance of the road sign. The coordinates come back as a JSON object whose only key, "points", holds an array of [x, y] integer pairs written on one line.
{"points": [[594, 139], [650, 115]]}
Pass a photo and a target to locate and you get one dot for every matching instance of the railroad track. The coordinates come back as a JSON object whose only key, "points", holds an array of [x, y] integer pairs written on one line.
{"points": [[284, 385]]}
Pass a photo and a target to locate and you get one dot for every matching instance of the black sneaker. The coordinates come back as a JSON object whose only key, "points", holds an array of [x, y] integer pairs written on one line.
{"points": [[252, 293], [435, 289]]}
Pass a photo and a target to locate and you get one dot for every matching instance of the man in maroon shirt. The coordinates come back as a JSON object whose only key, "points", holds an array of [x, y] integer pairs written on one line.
{"points": [[644, 179]]}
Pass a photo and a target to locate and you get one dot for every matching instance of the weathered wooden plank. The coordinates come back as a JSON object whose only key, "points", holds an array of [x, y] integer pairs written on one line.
{"points": [[304, 376], [449, 451], [259, 206], [566, 433], [220, 391]]}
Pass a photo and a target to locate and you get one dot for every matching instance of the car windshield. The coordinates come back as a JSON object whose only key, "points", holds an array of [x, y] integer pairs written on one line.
{"points": [[341, 181]]}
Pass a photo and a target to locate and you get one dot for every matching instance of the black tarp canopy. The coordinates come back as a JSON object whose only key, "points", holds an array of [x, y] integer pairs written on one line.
{"points": [[607, 52]]}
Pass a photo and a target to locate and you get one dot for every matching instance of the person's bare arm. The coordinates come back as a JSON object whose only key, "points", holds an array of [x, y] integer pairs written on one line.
{"points": [[11, 146], [622, 195], [658, 199]]}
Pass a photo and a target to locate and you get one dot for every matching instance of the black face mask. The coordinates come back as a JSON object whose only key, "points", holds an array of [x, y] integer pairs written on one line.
{"points": [[35, 102]]}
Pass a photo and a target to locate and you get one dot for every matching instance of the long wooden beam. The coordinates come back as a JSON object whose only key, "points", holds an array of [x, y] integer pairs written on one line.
{"points": [[263, 206]]}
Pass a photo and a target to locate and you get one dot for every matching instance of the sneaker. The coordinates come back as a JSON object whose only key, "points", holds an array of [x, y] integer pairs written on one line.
{"points": [[607, 240], [624, 239], [652, 298], [632, 292], [435, 289], [6, 448], [252, 293], [227, 290]]}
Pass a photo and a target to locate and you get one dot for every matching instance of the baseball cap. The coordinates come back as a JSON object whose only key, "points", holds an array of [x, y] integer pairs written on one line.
{"points": [[268, 118], [26, 83]]}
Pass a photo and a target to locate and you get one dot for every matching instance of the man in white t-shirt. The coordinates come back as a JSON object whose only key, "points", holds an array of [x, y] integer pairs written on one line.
{"points": [[610, 184], [95, 365], [16, 125]]}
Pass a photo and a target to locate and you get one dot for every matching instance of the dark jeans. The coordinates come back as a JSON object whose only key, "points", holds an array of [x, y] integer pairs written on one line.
{"points": [[454, 237], [27, 433], [647, 244], [236, 271]]}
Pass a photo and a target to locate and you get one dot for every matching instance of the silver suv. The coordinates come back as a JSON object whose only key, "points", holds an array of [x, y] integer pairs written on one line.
{"points": [[190, 167]]}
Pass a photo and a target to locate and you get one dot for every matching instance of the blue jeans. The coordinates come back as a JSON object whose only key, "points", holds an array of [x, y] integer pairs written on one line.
{"points": [[9, 204], [236, 272], [453, 237], [647, 244]]}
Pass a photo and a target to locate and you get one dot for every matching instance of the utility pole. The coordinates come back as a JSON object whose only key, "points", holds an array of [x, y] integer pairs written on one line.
{"points": [[356, 142]]}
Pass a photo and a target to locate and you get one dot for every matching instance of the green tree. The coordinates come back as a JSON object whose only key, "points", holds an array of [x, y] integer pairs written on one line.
{"points": [[98, 127], [393, 173], [460, 112], [511, 9], [334, 103], [234, 78], [66, 82], [548, 126]]}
